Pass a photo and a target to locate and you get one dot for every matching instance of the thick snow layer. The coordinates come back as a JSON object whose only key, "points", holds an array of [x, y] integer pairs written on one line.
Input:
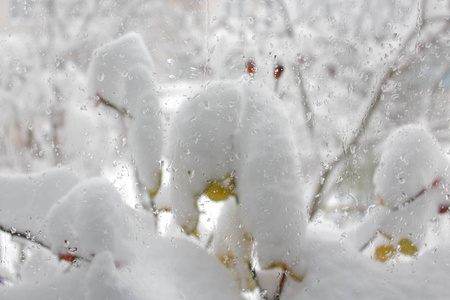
{"points": [[412, 180], [121, 73], [124, 258], [163, 269], [268, 181], [171, 268], [337, 271], [92, 218], [41, 265], [232, 244], [411, 161], [103, 281], [26, 199], [200, 146], [239, 128], [64, 287], [116, 63]]}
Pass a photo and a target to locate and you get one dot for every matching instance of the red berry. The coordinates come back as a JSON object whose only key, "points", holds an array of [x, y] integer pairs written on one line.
{"points": [[435, 182], [67, 257], [251, 67], [443, 208], [278, 71]]}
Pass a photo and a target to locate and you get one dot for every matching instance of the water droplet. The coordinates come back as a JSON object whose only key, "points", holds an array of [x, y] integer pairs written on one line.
{"points": [[72, 250], [101, 77]]}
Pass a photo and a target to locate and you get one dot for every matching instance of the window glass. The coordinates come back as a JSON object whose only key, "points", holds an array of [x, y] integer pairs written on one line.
{"points": [[206, 149]]}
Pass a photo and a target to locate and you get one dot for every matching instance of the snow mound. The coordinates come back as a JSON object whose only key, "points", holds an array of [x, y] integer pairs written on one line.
{"points": [[27, 198], [120, 74], [412, 181], [240, 129], [91, 219], [411, 161]]}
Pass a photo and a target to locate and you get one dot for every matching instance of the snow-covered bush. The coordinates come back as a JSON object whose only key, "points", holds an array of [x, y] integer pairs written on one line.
{"points": [[412, 182], [239, 130], [224, 149]]}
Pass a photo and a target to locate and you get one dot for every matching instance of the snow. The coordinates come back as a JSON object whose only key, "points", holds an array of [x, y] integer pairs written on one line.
{"points": [[338, 271], [26, 198], [127, 259], [232, 245], [268, 181], [411, 180], [200, 147], [121, 73], [92, 218], [236, 128], [164, 265], [273, 140], [410, 162]]}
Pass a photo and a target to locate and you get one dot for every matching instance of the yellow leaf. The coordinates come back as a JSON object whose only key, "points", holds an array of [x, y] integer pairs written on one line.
{"points": [[406, 247], [219, 190], [383, 253]]}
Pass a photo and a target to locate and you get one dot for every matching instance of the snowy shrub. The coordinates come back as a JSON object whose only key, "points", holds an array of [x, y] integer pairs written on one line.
{"points": [[224, 149]]}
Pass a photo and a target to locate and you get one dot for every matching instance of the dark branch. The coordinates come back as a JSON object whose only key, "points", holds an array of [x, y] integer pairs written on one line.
{"points": [[121, 110], [27, 236]]}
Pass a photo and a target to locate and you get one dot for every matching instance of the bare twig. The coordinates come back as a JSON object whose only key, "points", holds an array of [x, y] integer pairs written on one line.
{"points": [[121, 110], [397, 208], [280, 286], [26, 236]]}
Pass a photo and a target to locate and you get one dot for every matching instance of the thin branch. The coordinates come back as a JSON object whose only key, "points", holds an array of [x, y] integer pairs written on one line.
{"points": [[414, 198], [26, 236], [121, 110], [280, 286], [255, 277], [398, 207]]}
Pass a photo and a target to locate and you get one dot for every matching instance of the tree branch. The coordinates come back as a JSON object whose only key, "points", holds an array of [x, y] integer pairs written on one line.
{"points": [[26, 236], [121, 110]]}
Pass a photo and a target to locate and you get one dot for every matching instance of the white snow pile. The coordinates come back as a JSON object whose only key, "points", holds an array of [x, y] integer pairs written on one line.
{"points": [[412, 181], [239, 129], [119, 255], [338, 271], [27, 198], [121, 75], [92, 218]]}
